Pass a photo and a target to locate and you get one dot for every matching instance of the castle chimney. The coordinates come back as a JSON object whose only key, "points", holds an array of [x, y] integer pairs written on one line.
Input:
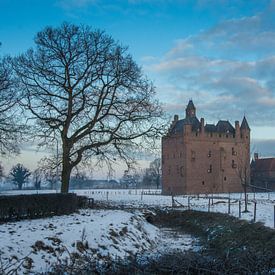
{"points": [[237, 128], [176, 117], [202, 125], [256, 156]]}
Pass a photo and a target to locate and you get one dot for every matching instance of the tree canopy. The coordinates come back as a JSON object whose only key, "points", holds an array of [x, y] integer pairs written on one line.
{"points": [[10, 127], [84, 90]]}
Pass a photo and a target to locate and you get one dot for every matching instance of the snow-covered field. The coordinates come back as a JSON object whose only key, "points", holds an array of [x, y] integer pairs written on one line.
{"points": [[36, 245], [143, 198]]}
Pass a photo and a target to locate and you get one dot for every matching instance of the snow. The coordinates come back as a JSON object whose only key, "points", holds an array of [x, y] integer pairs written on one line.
{"points": [[36, 245], [143, 198]]}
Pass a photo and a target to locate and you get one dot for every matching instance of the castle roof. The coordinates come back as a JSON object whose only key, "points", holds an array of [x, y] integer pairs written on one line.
{"points": [[244, 125], [211, 128], [179, 125], [224, 126], [221, 127], [190, 105], [265, 164]]}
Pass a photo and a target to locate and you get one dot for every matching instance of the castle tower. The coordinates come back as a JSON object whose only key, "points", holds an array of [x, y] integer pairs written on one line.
{"points": [[198, 157], [190, 110]]}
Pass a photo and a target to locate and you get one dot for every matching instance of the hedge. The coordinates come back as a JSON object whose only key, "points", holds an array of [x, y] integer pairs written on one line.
{"points": [[37, 205]]}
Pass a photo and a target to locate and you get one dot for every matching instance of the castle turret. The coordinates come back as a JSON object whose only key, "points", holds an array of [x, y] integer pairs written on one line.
{"points": [[244, 125], [190, 110]]}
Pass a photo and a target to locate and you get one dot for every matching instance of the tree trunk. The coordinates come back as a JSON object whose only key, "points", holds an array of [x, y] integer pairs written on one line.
{"points": [[65, 177], [66, 170], [20, 185]]}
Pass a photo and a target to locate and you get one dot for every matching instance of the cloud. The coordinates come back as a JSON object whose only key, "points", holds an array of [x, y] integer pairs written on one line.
{"points": [[228, 70]]}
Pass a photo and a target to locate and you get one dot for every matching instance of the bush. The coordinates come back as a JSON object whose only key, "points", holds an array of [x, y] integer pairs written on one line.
{"points": [[36, 206]]}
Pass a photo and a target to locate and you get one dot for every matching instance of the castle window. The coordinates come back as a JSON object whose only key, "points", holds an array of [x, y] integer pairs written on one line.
{"points": [[202, 182], [181, 171], [234, 153], [193, 155], [169, 170], [224, 178], [210, 169], [234, 165], [220, 135], [209, 153], [226, 135]]}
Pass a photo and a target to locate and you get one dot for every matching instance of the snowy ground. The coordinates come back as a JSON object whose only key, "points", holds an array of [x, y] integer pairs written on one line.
{"points": [[143, 198], [36, 245]]}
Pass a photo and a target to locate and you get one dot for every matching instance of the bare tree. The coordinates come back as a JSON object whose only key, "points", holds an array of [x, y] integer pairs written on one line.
{"points": [[153, 173], [19, 175], [49, 168], [243, 172], [10, 129], [85, 89], [37, 178]]}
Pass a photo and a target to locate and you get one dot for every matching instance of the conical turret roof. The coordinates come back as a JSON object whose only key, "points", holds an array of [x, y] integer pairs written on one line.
{"points": [[244, 125]]}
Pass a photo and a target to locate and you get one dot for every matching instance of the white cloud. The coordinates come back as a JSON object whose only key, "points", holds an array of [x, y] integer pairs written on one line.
{"points": [[228, 70]]}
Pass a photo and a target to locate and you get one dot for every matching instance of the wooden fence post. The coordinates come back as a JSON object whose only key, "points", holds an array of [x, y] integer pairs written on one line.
{"points": [[173, 202], [228, 205], [240, 208], [107, 195], [274, 216], [188, 203], [255, 209], [209, 205]]}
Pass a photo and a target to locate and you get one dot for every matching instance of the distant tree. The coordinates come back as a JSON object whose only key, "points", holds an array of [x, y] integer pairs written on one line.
{"points": [[37, 178], [243, 172], [10, 129], [19, 175], [152, 174], [49, 168], [130, 179], [84, 89]]}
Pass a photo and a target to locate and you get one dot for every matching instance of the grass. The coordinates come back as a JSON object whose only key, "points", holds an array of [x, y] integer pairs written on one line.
{"points": [[241, 246]]}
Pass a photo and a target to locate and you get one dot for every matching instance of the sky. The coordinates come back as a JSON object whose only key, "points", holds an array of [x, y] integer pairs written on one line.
{"points": [[219, 53]]}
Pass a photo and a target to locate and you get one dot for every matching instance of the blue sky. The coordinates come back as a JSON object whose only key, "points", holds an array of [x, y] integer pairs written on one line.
{"points": [[220, 53]]}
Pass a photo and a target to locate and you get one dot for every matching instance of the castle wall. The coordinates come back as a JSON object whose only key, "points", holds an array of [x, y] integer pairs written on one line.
{"points": [[173, 165], [198, 162]]}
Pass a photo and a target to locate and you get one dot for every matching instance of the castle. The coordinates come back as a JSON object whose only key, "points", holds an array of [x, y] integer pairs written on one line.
{"points": [[205, 158]]}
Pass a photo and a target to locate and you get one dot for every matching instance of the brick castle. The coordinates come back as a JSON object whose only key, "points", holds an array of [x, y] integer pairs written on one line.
{"points": [[205, 158]]}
